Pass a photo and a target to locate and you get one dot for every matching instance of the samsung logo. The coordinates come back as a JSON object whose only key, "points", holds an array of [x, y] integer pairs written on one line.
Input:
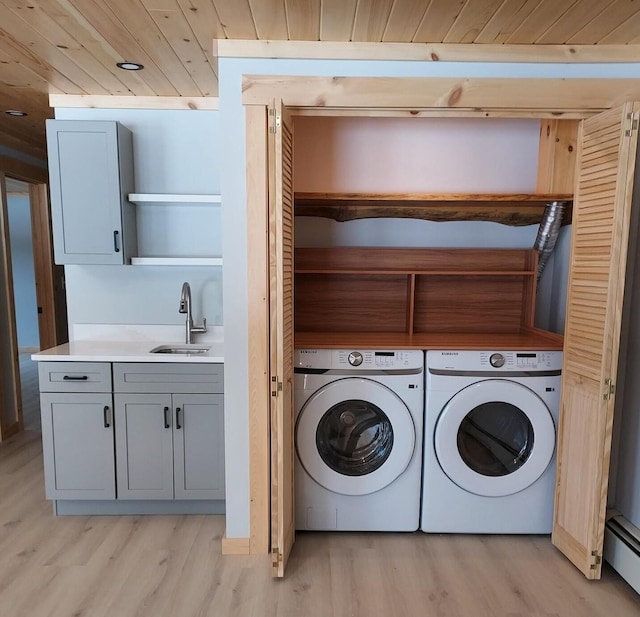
{"points": [[308, 351], [449, 353]]}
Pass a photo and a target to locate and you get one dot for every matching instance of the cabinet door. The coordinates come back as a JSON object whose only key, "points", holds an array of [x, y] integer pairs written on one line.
{"points": [[144, 446], [90, 170], [198, 443], [77, 440], [601, 220]]}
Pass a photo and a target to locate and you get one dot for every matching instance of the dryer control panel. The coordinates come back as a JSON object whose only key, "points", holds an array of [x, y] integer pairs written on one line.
{"points": [[495, 360], [359, 359]]}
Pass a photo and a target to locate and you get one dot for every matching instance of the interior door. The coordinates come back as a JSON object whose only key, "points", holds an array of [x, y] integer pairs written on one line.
{"points": [[601, 214], [52, 313], [281, 335], [10, 393]]}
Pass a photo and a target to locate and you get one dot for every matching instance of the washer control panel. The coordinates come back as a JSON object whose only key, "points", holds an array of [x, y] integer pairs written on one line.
{"points": [[359, 359]]}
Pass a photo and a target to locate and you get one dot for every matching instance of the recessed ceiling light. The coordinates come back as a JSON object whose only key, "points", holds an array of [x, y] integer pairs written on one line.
{"points": [[15, 112], [130, 66]]}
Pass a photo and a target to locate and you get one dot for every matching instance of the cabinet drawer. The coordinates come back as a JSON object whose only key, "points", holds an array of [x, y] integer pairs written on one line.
{"points": [[194, 378], [74, 376]]}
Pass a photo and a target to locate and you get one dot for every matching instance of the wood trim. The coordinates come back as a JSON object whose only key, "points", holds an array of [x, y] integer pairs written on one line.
{"points": [[23, 171], [235, 546], [558, 95], [134, 102], [258, 318], [557, 156], [441, 112], [427, 52]]}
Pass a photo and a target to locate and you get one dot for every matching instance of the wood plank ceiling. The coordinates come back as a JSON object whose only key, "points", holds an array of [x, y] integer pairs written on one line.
{"points": [[72, 46]]}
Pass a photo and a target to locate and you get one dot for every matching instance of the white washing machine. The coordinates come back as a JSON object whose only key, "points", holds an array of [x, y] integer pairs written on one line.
{"points": [[490, 441], [358, 435]]}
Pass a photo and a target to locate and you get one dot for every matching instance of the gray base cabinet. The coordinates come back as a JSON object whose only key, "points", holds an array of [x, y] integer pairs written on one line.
{"points": [[77, 437], [198, 446], [132, 431], [91, 176], [77, 430], [169, 446]]}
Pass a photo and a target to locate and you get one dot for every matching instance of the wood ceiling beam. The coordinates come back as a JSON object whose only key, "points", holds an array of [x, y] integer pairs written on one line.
{"points": [[427, 52], [23, 171], [415, 93], [134, 102]]}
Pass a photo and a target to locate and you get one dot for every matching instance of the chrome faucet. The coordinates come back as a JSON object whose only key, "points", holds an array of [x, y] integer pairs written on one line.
{"points": [[185, 308]]}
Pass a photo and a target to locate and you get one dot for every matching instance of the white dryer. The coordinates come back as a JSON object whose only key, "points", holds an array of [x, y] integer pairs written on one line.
{"points": [[490, 441], [358, 436]]}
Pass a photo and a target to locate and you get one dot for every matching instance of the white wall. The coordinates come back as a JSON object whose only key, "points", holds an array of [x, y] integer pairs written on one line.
{"points": [[414, 155], [233, 177], [174, 152]]}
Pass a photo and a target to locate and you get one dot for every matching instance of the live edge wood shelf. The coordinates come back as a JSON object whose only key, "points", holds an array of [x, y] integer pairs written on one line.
{"points": [[509, 209], [417, 298]]}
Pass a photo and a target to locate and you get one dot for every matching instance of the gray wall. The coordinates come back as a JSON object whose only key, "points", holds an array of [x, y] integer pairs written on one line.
{"points": [[174, 152]]}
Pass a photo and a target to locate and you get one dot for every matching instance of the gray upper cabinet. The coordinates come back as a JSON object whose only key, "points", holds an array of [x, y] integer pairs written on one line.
{"points": [[91, 175]]}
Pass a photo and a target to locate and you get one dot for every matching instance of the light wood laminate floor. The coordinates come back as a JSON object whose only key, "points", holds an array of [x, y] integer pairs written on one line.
{"points": [[170, 566]]}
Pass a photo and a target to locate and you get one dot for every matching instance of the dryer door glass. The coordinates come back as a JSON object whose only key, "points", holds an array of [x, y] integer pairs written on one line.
{"points": [[354, 437], [495, 438]]}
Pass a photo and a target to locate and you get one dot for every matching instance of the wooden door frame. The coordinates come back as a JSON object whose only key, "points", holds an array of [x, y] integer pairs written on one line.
{"points": [[52, 320], [10, 392], [550, 99]]}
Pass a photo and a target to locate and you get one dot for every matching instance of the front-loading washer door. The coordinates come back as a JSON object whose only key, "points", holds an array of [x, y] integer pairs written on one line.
{"points": [[495, 438], [354, 436]]}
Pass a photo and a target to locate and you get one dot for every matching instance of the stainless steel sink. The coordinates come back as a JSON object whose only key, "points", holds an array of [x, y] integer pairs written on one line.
{"points": [[185, 350]]}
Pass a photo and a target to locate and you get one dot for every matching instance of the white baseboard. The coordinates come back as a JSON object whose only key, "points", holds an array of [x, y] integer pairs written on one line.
{"points": [[622, 552]]}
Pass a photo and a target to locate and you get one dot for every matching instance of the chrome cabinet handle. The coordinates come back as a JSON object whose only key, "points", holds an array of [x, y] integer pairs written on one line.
{"points": [[106, 417], [166, 418], [178, 413]]}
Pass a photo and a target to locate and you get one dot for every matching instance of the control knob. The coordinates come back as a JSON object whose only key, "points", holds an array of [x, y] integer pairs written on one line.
{"points": [[496, 360], [355, 358]]}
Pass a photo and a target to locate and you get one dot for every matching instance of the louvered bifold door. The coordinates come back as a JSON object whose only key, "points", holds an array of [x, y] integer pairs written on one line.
{"points": [[601, 215], [281, 335]]}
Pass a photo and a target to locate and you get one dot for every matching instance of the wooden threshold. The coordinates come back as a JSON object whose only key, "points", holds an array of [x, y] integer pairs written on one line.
{"points": [[527, 339], [508, 209]]}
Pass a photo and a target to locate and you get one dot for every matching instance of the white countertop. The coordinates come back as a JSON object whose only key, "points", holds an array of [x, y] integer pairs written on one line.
{"points": [[127, 351]]}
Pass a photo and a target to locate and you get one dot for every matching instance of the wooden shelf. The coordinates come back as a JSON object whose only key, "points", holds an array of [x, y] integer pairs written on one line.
{"points": [[385, 272], [527, 339], [410, 292], [166, 198], [176, 261], [508, 209]]}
